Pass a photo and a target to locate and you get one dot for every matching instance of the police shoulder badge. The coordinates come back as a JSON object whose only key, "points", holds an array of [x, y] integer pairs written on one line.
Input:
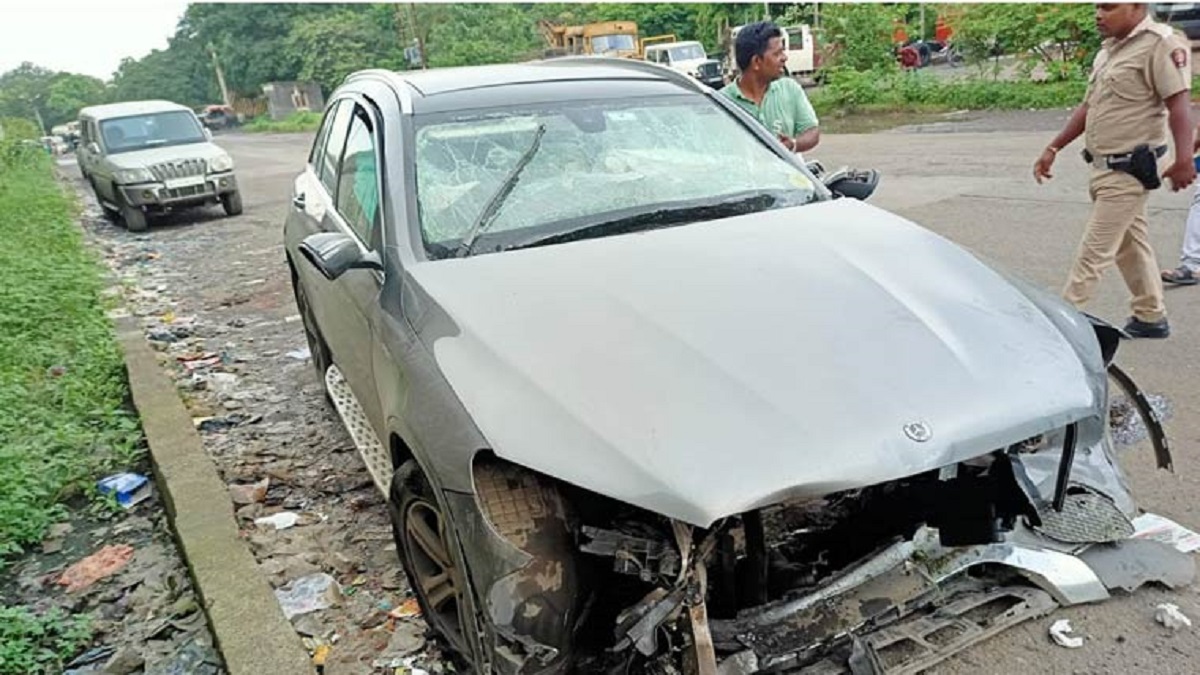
{"points": [[1179, 57]]}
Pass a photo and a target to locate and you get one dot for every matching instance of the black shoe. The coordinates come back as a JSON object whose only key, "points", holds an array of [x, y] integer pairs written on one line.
{"points": [[1148, 329]]}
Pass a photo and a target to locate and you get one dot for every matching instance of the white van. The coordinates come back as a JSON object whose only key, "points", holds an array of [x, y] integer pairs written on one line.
{"points": [[801, 47], [687, 57]]}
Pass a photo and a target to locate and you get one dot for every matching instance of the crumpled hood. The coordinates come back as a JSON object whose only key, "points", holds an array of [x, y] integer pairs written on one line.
{"points": [[705, 370], [140, 159]]}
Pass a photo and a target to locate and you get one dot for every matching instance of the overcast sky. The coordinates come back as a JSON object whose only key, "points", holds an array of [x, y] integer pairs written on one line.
{"points": [[84, 36]]}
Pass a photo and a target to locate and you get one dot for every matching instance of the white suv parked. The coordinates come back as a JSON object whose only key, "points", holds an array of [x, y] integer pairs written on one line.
{"points": [[145, 157]]}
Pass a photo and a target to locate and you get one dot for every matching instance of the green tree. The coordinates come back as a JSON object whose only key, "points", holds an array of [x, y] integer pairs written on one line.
{"points": [[861, 33], [328, 47], [1059, 37], [249, 39], [69, 92], [24, 91], [183, 73]]}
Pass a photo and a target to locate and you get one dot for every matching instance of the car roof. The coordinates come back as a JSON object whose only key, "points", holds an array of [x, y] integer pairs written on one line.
{"points": [[669, 45], [130, 108], [443, 80]]}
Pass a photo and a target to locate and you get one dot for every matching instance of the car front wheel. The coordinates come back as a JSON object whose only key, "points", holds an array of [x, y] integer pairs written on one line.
{"points": [[232, 203], [424, 537], [135, 218]]}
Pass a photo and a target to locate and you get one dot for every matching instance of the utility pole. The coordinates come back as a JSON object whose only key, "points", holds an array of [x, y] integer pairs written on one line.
{"points": [[220, 75], [406, 20]]}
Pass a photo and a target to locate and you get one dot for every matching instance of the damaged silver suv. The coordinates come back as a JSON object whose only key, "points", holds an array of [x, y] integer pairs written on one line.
{"points": [[147, 157], [576, 315]]}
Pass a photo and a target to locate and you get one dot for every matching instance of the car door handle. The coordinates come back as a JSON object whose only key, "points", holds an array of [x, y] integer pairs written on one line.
{"points": [[298, 201]]}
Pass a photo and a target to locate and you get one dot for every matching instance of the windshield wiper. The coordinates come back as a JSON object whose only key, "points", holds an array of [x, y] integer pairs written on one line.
{"points": [[488, 215], [650, 220]]}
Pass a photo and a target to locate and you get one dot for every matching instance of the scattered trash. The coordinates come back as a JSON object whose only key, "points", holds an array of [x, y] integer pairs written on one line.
{"points": [[56, 371], [92, 656], [103, 563], [53, 542], [282, 520], [301, 354], [400, 666], [193, 658], [249, 494], [1157, 528], [308, 594], [193, 362], [1168, 614], [408, 637], [129, 488], [320, 654], [291, 318], [125, 662], [407, 609], [226, 422], [1061, 630]]}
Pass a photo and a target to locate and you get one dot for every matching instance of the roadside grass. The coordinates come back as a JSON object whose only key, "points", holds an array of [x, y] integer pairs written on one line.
{"points": [[64, 418], [296, 122], [33, 643]]}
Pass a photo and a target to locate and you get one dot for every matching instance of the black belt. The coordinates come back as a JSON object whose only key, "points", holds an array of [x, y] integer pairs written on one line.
{"points": [[1117, 161]]}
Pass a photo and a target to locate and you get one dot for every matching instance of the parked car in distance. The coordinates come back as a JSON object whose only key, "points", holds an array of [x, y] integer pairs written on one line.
{"points": [[1183, 15], [687, 57], [643, 390], [218, 117], [148, 157]]}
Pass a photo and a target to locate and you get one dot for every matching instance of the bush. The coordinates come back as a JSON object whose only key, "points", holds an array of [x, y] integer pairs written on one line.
{"points": [[850, 91], [18, 128], [294, 123]]}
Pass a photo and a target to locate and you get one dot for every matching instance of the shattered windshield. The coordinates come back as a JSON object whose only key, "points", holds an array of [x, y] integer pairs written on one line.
{"points": [[598, 162], [137, 132]]}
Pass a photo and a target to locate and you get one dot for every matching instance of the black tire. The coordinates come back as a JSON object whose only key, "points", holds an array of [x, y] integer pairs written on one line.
{"points": [[109, 213], [135, 218], [232, 203], [414, 509]]}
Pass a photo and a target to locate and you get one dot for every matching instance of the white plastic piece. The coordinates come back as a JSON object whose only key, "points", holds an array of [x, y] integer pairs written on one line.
{"points": [[1168, 614], [1060, 631]]}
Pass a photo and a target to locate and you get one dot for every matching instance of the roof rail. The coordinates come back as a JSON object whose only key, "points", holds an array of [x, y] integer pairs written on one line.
{"points": [[634, 64]]}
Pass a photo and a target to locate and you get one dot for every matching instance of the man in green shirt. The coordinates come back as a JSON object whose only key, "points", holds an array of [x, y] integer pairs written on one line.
{"points": [[766, 91]]}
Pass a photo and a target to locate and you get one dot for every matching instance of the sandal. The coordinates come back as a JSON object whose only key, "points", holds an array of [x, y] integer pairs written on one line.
{"points": [[1180, 276]]}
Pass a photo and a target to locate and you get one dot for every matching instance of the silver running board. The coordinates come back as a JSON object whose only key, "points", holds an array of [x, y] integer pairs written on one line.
{"points": [[374, 454]]}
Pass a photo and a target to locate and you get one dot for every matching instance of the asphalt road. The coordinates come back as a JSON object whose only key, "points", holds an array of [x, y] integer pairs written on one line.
{"points": [[967, 178]]}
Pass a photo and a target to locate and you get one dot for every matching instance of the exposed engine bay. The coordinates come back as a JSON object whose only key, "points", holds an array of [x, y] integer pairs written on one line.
{"points": [[890, 578]]}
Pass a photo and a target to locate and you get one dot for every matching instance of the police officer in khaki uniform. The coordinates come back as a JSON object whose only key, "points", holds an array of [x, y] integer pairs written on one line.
{"points": [[1138, 88]]}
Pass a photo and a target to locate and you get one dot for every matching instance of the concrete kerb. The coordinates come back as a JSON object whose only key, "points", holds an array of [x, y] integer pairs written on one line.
{"points": [[246, 620]]}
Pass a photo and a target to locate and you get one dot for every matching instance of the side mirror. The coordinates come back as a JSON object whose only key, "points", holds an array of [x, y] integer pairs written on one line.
{"points": [[93, 148], [332, 253], [851, 183], [208, 133]]}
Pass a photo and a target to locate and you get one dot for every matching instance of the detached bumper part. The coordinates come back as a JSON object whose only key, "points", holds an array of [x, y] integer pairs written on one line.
{"points": [[869, 607]]}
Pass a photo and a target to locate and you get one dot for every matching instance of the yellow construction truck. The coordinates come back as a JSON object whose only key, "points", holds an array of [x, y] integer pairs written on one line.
{"points": [[603, 38]]}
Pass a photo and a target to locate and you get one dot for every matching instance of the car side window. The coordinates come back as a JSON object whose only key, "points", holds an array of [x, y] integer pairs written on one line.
{"points": [[333, 146], [318, 148], [358, 187]]}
